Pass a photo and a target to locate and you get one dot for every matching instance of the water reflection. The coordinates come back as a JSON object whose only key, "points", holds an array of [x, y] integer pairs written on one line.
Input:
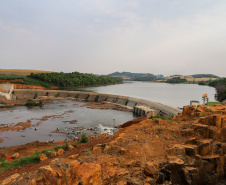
{"points": [[176, 95]]}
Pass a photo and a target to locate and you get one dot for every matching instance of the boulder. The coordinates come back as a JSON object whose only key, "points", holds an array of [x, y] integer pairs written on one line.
{"points": [[48, 175], [97, 150], [191, 175], [43, 157], [223, 134], [151, 169], [177, 149], [13, 179], [70, 147], [192, 141], [75, 156], [206, 173], [212, 132], [15, 156], [204, 147], [121, 183], [190, 150], [217, 121], [218, 165], [53, 154], [74, 164], [60, 152], [177, 175], [201, 130], [89, 173], [187, 132]]}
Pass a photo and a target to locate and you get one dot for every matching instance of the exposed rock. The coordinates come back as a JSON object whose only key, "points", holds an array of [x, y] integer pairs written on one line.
{"points": [[89, 173], [177, 175], [127, 159], [97, 150], [190, 150], [13, 179], [74, 164], [15, 155], [177, 150], [70, 147], [223, 134], [43, 157], [121, 183], [150, 169], [201, 130], [60, 152], [53, 154], [75, 156]]}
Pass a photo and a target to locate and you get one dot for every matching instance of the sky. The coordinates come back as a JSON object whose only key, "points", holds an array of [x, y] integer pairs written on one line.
{"points": [[103, 36]]}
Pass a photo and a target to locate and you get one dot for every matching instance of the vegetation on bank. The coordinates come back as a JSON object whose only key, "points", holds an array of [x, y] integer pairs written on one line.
{"points": [[8, 163], [25, 80], [213, 103], [219, 85], [73, 79], [176, 80], [137, 76], [205, 76], [31, 103]]}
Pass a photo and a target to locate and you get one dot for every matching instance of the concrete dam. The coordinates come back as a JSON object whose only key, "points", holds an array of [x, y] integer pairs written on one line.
{"points": [[139, 106]]}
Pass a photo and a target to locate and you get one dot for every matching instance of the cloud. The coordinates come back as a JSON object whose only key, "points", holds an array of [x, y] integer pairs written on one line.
{"points": [[101, 36]]}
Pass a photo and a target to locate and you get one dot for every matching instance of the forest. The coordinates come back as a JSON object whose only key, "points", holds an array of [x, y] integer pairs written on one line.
{"points": [[61, 79], [220, 85], [176, 80], [204, 76], [137, 76]]}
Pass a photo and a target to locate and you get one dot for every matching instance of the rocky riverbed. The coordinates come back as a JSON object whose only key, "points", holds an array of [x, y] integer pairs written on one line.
{"points": [[58, 119]]}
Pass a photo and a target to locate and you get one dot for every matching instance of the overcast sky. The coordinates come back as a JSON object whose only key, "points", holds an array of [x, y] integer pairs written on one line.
{"points": [[103, 36]]}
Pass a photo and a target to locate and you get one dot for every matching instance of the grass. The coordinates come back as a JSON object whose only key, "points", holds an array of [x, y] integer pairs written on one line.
{"points": [[34, 158], [25, 80], [88, 153], [213, 103]]}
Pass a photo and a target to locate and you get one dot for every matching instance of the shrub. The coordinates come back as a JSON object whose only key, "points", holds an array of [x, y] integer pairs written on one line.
{"points": [[31, 102], [84, 138]]}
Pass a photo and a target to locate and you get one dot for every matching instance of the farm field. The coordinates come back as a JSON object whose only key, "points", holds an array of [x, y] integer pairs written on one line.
{"points": [[21, 72]]}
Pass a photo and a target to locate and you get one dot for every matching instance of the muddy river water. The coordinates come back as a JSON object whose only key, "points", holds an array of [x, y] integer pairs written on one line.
{"points": [[60, 120]]}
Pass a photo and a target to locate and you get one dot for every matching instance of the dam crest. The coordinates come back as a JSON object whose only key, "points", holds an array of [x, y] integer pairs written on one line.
{"points": [[139, 106]]}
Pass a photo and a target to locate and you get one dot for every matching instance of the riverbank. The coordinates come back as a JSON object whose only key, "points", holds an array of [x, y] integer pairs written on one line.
{"points": [[190, 148]]}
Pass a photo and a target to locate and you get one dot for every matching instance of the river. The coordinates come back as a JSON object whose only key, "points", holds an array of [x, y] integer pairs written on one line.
{"points": [[59, 114], [176, 95], [56, 115]]}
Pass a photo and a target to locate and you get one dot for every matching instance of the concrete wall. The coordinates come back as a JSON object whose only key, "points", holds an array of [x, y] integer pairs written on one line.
{"points": [[9, 88], [95, 97]]}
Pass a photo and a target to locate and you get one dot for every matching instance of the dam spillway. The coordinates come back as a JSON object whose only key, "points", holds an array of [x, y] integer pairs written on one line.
{"points": [[96, 97]]}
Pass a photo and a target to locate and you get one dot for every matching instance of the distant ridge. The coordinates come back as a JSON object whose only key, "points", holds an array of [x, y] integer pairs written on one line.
{"points": [[22, 72]]}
